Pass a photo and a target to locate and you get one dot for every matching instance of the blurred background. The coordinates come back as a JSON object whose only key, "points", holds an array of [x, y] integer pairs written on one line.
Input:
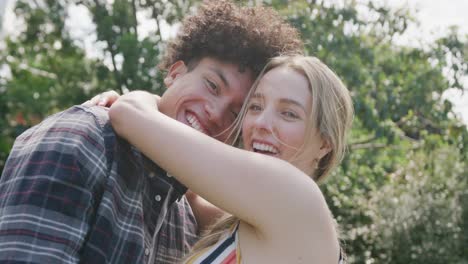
{"points": [[400, 195]]}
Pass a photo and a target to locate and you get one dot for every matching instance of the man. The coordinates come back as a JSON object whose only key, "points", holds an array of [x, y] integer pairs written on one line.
{"points": [[72, 191]]}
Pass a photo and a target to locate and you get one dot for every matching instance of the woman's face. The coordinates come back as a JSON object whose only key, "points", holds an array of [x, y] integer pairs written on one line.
{"points": [[277, 115]]}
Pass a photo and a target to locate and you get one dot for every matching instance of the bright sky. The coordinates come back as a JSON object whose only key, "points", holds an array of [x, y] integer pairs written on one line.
{"points": [[435, 17]]}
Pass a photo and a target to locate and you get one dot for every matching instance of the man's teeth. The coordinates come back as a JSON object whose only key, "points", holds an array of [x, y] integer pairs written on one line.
{"points": [[194, 123], [264, 147]]}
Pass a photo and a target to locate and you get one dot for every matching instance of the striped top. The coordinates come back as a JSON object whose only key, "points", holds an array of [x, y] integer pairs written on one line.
{"points": [[225, 251]]}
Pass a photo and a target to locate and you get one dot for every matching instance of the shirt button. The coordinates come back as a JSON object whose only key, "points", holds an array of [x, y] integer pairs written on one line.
{"points": [[168, 175], [157, 198], [147, 251], [151, 175]]}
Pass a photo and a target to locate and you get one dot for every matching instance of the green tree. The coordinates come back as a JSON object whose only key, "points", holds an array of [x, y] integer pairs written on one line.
{"points": [[402, 126]]}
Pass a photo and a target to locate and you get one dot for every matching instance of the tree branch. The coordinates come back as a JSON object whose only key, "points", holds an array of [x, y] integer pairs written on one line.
{"points": [[155, 15], [112, 52], [135, 25], [364, 141], [369, 145]]}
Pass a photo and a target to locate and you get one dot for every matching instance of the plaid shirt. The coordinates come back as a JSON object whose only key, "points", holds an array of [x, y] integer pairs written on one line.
{"points": [[71, 191]]}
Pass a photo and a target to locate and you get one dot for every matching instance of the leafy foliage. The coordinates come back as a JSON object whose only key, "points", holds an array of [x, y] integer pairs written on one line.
{"points": [[400, 194]]}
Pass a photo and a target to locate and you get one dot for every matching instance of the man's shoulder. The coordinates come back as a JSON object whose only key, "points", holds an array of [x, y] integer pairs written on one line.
{"points": [[93, 115], [76, 141], [77, 120], [76, 130]]}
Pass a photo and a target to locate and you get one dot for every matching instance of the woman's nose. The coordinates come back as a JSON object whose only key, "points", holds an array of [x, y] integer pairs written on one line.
{"points": [[264, 121]]}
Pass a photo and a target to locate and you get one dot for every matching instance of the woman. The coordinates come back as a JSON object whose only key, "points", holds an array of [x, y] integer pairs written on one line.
{"points": [[293, 131]]}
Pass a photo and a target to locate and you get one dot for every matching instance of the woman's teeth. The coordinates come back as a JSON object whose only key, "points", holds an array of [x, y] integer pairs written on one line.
{"points": [[264, 148]]}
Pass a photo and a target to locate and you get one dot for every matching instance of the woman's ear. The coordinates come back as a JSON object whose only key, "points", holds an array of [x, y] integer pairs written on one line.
{"points": [[177, 69], [325, 148]]}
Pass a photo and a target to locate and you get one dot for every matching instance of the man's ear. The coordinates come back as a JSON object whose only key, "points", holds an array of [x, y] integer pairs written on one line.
{"points": [[177, 69]]}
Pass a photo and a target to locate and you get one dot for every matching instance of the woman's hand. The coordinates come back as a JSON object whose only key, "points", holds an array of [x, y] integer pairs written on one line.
{"points": [[103, 99], [126, 113], [107, 99], [139, 100]]}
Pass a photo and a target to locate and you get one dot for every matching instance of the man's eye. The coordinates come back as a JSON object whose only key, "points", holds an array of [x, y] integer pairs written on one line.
{"points": [[234, 114], [212, 85]]}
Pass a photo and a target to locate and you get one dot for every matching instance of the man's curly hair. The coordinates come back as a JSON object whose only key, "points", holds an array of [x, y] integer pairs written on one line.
{"points": [[247, 36]]}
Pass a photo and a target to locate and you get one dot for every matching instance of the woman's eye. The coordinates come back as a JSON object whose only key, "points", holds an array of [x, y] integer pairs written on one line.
{"points": [[290, 115], [254, 107]]}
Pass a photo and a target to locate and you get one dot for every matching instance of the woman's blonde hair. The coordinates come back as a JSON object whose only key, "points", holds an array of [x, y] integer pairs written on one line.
{"points": [[331, 115]]}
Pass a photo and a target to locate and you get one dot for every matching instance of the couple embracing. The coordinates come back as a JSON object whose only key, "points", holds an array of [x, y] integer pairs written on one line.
{"points": [[222, 168]]}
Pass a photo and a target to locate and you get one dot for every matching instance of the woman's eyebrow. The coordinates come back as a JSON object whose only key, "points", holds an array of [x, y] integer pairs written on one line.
{"points": [[291, 101], [257, 96]]}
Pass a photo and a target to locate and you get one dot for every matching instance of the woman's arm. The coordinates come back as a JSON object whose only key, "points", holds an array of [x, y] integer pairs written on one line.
{"points": [[268, 193]]}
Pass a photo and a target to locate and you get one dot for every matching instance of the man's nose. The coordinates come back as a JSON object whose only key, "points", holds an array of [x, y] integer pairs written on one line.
{"points": [[215, 112], [220, 120]]}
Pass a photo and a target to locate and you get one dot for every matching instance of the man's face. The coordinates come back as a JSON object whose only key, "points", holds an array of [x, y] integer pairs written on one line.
{"points": [[207, 98]]}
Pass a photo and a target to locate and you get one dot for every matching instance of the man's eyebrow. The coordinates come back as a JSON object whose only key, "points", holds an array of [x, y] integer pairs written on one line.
{"points": [[221, 76]]}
